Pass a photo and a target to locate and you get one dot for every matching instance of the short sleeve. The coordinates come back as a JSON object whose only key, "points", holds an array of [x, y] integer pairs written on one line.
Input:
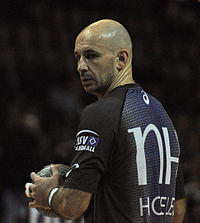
{"points": [[93, 148]]}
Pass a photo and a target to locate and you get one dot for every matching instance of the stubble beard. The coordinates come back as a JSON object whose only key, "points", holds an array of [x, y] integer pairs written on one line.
{"points": [[103, 86]]}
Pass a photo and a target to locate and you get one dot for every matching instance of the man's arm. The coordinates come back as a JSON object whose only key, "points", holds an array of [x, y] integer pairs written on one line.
{"points": [[66, 202], [180, 202], [179, 210], [70, 203]]}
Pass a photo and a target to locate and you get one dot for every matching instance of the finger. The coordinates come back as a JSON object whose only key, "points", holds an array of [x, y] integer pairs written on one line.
{"points": [[27, 189], [48, 166], [54, 169], [34, 176], [33, 204]]}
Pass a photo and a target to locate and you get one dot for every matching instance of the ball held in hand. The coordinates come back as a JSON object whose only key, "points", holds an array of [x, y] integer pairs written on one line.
{"points": [[46, 172]]}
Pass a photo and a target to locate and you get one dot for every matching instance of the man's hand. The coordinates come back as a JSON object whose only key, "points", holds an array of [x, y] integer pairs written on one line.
{"points": [[179, 210], [56, 165], [42, 186]]}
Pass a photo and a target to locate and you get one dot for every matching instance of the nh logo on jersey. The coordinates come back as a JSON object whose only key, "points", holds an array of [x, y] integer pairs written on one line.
{"points": [[87, 143], [140, 139]]}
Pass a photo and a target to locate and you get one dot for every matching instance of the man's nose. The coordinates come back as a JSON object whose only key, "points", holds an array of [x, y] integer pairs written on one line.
{"points": [[82, 66]]}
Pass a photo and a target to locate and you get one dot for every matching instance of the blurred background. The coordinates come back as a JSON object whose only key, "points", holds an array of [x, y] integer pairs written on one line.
{"points": [[41, 97]]}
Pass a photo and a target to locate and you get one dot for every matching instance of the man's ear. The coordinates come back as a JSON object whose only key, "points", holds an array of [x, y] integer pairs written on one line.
{"points": [[122, 59]]}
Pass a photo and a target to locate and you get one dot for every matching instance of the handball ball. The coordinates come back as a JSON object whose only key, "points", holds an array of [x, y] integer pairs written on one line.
{"points": [[46, 172]]}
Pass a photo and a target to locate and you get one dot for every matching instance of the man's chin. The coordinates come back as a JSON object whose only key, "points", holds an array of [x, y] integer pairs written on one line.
{"points": [[89, 90], [95, 91]]}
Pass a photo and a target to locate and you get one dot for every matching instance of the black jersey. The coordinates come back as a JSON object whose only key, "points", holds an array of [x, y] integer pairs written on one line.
{"points": [[127, 155]]}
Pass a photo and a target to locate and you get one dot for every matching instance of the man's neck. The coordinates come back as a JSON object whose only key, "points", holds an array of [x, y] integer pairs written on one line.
{"points": [[125, 80]]}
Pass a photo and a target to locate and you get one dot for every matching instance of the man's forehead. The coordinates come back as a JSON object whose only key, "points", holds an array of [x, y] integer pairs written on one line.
{"points": [[86, 35], [90, 44]]}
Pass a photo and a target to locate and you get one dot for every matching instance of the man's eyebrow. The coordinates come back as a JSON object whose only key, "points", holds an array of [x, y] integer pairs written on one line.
{"points": [[76, 53], [90, 51], [86, 51]]}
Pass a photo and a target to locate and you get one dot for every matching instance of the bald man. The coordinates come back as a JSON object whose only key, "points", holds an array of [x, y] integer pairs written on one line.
{"points": [[126, 167]]}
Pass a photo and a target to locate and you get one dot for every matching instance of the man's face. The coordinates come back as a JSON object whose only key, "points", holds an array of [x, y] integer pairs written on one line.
{"points": [[95, 64]]}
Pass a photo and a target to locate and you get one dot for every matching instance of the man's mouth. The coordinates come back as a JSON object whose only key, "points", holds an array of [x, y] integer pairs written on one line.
{"points": [[86, 80]]}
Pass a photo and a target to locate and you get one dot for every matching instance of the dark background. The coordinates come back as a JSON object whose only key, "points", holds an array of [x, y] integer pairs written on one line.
{"points": [[41, 97]]}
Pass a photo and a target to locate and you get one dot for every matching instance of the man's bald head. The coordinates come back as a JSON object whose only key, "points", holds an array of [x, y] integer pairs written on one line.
{"points": [[108, 33], [104, 57]]}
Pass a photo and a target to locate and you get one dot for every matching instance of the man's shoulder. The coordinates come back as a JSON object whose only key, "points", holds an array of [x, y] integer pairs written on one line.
{"points": [[105, 111], [104, 106]]}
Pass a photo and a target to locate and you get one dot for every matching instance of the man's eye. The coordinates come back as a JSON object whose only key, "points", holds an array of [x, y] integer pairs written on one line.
{"points": [[91, 56]]}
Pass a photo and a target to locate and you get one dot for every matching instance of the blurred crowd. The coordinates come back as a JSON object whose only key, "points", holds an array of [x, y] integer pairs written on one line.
{"points": [[41, 97]]}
